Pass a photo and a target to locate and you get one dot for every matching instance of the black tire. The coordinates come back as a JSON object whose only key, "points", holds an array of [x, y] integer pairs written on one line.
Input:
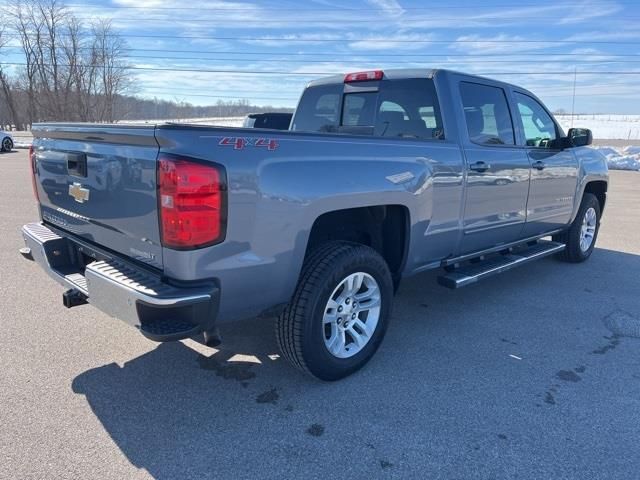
{"points": [[7, 144], [299, 328], [571, 237]]}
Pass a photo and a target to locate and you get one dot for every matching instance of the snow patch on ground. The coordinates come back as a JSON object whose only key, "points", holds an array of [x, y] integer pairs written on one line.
{"points": [[215, 121], [627, 158], [622, 127], [632, 150]]}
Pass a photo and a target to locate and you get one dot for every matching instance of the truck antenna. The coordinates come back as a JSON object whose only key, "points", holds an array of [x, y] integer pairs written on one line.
{"points": [[573, 101]]}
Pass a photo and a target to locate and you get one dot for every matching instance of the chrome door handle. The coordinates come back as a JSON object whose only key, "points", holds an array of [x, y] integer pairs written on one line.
{"points": [[479, 167], [539, 165]]}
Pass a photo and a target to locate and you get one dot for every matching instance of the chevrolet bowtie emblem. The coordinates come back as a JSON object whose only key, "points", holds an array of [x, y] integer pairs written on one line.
{"points": [[79, 193]]}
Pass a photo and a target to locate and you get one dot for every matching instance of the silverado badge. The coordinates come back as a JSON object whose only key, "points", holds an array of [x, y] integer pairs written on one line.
{"points": [[78, 192]]}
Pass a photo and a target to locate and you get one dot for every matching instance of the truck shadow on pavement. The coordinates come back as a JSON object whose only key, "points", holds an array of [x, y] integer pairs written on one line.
{"points": [[462, 375]]}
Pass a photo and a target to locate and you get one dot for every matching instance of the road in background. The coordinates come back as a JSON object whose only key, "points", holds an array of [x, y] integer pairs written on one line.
{"points": [[531, 374], [615, 143]]}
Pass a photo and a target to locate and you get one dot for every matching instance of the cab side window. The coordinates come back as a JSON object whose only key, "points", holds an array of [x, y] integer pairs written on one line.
{"points": [[321, 109], [487, 114], [539, 128], [409, 109]]}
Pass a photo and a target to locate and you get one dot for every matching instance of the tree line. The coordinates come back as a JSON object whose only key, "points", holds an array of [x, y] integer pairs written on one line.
{"points": [[70, 71], [135, 108]]}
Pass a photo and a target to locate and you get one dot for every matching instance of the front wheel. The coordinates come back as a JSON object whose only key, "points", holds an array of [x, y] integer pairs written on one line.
{"points": [[7, 144], [580, 239], [339, 313]]}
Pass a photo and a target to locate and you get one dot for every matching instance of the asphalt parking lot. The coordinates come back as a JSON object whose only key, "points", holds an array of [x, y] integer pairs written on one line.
{"points": [[532, 374]]}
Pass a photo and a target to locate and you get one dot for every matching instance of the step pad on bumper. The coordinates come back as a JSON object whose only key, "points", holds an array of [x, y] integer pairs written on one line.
{"points": [[137, 280]]}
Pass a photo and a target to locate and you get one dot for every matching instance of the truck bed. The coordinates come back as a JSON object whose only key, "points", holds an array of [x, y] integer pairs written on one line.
{"points": [[278, 183]]}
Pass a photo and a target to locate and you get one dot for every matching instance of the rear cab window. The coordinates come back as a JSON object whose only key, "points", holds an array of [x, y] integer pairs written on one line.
{"points": [[486, 113], [359, 109], [403, 108]]}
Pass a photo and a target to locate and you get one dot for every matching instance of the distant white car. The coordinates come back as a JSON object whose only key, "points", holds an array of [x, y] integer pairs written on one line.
{"points": [[6, 141]]}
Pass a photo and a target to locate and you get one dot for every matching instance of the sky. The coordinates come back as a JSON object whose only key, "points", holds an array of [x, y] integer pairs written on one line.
{"points": [[280, 45]]}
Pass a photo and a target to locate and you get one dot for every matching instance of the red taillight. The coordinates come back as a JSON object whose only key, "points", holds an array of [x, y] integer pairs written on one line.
{"points": [[192, 203], [363, 76], [32, 165]]}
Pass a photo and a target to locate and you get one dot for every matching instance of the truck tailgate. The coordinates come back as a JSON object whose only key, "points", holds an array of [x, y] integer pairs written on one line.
{"points": [[99, 182]]}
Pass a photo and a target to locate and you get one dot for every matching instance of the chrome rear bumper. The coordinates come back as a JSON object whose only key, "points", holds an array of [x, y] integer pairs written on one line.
{"points": [[161, 311]]}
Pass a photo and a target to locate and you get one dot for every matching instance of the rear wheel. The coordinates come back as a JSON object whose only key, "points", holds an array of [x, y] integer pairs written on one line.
{"points": [[339, 313], [7, 144], [580, 239]]}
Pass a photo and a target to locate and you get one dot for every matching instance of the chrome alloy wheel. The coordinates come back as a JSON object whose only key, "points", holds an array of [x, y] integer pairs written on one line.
{"points": [[351, 315], [588, 229], [7, 144]]}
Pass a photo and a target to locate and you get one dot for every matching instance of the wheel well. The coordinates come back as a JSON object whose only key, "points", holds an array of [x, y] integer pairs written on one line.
{"points": [[599, 189], [382, 227]]}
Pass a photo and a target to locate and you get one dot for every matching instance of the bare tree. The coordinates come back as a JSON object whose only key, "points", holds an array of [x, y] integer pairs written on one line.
{"points": [[6, 93], [57, 54], [70, 72], [108, 53], [29, 31]]}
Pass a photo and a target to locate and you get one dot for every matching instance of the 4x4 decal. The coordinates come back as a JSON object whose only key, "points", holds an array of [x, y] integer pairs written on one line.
{"points": [[238, 143]]}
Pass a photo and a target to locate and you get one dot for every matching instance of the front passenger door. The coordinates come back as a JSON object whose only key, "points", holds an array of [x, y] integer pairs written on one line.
{"points": [[554, 172]]}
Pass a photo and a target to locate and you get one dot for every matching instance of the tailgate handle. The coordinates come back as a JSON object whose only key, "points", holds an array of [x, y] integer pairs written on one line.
{"points": [[77, 164]]}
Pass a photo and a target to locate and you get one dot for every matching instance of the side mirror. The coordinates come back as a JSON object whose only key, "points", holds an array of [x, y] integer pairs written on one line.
{"points": [[580, 137]]}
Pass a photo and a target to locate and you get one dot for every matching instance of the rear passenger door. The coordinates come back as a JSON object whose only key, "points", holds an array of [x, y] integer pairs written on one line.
{"points": [[497, 177], [554, 174]]}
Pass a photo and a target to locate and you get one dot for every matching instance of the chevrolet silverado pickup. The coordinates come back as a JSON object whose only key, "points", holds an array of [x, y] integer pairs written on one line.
{"points": [[382, 175]]}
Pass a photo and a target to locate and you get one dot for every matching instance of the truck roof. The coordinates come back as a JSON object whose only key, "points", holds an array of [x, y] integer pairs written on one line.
{"points": [[403, 73]]}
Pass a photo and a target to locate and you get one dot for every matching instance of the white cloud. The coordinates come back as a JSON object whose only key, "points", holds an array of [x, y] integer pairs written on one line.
{"points": [[210, 4], [501, 43], [389, 7], [295, 39], [619, 34], [393, 42], [588, 11]]}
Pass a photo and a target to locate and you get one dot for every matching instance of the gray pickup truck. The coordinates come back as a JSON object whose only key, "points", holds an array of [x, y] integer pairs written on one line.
{"points": [[382, 175]]}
